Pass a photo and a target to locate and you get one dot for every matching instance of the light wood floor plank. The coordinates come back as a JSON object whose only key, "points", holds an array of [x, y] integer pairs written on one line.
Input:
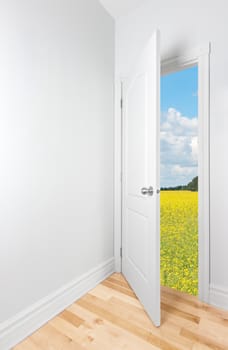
{"points": [[106, 293], [110, 317], [121, 289], [78, 335], [28, 345], [201, 338], [72, 318], [49, 338], [122, 282], [95, 324], [168, 330]]}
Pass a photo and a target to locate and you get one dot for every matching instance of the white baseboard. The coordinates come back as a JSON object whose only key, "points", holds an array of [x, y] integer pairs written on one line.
{"points": [[26, 322], [219, 297]]}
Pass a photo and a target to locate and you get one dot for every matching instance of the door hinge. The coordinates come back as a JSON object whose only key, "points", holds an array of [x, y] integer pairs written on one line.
{"points": [[121, 252], [121, 103]]}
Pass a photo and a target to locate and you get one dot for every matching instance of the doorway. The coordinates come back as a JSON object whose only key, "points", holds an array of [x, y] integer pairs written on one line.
{"points": [[130, 103], [179, 180]]}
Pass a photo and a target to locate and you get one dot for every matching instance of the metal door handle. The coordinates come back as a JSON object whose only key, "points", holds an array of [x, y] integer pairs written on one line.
{"points": [[147, 191]]}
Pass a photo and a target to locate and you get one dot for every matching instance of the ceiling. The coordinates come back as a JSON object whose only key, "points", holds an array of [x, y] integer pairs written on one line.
{"points": [[118, 8]]}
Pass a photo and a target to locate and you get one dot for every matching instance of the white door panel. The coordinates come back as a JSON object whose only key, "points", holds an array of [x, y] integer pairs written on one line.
{"points": [[141, 231], [136, 133]]}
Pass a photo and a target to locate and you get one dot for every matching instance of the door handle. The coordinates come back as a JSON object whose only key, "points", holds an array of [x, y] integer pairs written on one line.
{"points": [[147, 191]]}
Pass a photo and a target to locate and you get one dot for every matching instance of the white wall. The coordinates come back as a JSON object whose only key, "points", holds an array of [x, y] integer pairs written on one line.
{"points": [[56, 146], [185, 26]]}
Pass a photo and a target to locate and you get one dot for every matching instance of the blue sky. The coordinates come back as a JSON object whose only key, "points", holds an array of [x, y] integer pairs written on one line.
{"points": [[179, 127]]}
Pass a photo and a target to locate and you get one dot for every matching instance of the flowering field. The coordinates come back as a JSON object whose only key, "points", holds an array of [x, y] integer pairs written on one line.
{"points": [[179, 240]]}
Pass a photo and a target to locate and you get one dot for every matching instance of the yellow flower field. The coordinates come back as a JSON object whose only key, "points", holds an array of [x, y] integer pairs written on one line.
{"points": [[179, 240]]}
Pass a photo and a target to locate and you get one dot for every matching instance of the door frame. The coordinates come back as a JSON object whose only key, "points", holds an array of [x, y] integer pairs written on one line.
{"points": [[199, 56]]}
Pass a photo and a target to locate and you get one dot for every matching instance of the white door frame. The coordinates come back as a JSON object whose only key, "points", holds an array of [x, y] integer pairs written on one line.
{"points": [[201, 57]]}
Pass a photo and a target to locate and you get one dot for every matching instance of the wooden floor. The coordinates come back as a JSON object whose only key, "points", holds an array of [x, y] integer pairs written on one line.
{"points": [[111, 318]]}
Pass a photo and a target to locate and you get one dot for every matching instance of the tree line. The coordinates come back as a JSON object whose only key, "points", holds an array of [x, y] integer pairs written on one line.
{"points": [[191, 186]]}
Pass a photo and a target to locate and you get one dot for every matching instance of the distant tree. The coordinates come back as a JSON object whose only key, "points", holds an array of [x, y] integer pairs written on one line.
{"points": [[191, 186]]}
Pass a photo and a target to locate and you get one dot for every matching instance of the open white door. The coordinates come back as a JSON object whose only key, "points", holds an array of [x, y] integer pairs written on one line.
{"points": [[141, 207]]}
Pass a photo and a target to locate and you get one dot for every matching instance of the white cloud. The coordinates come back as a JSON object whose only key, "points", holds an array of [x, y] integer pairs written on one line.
{"points": [[179, 148], [178, 124], [182, 170]]}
